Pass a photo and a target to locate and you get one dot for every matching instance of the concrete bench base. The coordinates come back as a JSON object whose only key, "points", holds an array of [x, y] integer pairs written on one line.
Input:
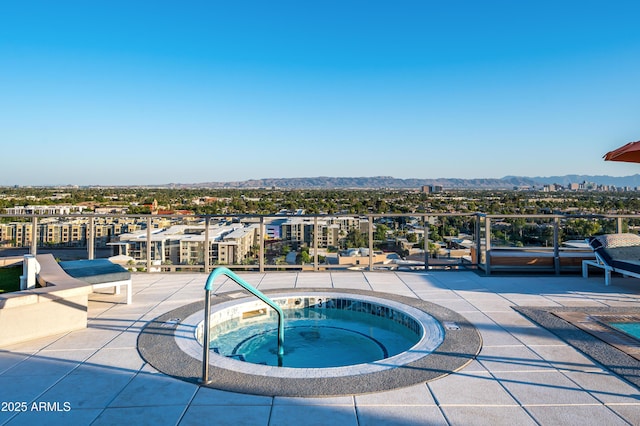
{"points": [[100, 273], [56, 308], [60, 305], [116, 288]]}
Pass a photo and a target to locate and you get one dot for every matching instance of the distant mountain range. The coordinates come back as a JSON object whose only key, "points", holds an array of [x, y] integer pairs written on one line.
{"points": [[376, 182]]}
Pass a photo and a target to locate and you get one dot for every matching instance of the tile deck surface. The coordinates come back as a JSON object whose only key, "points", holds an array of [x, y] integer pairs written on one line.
{"points": [[523, 375]]}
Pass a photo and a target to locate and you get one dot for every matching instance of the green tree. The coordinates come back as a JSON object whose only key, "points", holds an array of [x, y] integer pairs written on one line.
{"points": [[381, 232], [356, 238], [303, 257]]}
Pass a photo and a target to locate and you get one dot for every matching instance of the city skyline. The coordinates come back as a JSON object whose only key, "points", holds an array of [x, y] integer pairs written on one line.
{"points": [[144, 93]]}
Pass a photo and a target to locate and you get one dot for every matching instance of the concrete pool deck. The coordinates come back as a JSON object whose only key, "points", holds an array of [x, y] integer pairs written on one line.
{"points": [[524, 374]]}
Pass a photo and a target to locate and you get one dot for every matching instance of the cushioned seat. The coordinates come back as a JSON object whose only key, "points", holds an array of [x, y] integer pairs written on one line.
{"points": [[100, 273], [95, 271]]}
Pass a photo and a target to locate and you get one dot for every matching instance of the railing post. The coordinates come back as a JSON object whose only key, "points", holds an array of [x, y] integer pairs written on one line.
{"points": [[370, 229], [426, 242], [206, 247], [487, 244], [478, 237], [91, 242], [149, 223], [556, 245], [315, 244], [34, 236], [261, 242]]}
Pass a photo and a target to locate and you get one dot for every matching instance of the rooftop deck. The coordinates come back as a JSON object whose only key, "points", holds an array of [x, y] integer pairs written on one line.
{"points": [[524, 374]]}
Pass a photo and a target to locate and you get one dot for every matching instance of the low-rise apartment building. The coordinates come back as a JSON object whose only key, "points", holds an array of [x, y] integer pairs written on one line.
{"points": [[299, 231], [66, 232], [61, 209], [185, 244]]}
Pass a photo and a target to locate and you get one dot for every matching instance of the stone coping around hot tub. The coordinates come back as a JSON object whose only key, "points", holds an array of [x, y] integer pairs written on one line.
{"points": [[428, 341], [554, 319], [462, 342]]}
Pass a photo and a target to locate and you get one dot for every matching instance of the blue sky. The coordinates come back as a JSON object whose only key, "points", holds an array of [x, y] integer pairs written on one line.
{"points": [[154, 92]]}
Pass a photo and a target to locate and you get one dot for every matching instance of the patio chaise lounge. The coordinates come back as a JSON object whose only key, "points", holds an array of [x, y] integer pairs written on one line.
{"points": [[99, 273], [614, 253]]}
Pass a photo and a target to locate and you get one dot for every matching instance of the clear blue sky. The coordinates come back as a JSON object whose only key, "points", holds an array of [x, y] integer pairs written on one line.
{"points": [[152, 92]]}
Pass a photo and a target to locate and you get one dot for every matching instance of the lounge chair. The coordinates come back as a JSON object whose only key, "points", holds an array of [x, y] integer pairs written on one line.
{"points": [[614, 253], [99, 273]]}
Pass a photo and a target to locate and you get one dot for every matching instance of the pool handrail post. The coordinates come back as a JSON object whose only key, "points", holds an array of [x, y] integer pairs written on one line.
{"points": [[251, 289], [206, 338]]}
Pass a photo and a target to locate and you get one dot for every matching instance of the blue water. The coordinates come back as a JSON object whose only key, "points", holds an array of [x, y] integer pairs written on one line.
{"points": [[631, 328], [313, 338]]}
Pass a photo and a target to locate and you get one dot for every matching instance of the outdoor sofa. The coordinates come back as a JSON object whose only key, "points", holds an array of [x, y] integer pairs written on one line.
{"points": [[614, 253]]}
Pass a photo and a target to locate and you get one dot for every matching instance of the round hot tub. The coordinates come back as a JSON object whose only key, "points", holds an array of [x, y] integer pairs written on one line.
{"points": [[336, 342], [321, 331]]}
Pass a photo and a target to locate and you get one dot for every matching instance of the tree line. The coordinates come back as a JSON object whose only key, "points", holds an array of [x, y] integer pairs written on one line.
{"points": [[272, 201]]}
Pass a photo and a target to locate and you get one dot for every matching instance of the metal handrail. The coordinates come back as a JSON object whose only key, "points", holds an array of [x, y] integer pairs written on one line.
{"points": [[207, 313]]}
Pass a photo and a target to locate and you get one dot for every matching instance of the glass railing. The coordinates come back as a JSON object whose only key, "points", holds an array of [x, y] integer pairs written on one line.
{"points": [[177, 243]]}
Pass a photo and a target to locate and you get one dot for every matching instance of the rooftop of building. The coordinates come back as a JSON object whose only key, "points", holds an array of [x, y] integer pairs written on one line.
{"points": [[524, 374]]}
